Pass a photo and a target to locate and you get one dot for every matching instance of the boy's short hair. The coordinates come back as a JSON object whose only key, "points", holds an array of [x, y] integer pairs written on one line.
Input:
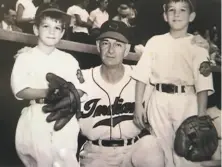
{"points": [[53, 11], [191, 3]]}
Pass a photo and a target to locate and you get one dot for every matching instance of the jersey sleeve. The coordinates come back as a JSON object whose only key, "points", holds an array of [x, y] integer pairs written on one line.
{"points": [[92, 16], [201, 82], [21, 76], [142, 70], [72, 66]]}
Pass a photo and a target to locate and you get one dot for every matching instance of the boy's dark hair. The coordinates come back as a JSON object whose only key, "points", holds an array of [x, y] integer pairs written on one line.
{"points": [[191, 3], [52, 11]]}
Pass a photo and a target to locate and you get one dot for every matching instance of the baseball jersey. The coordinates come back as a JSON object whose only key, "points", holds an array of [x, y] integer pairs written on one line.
{"points": [[98, 17], [107, 112], [31, 67], [176, 61]]}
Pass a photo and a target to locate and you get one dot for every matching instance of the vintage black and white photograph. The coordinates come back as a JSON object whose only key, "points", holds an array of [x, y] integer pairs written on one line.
{"points": [[110, 83]]}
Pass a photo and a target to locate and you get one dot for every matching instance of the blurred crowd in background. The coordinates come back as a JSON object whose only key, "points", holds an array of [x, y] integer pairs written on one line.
{"points": [[86, 17]]}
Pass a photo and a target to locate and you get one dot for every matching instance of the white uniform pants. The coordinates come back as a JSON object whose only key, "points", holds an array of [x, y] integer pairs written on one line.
{"points": [[38, 145], [146, 152], [165, 114]]}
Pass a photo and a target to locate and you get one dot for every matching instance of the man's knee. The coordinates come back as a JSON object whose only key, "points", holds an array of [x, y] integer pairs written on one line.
{"points": [[148, 153]]}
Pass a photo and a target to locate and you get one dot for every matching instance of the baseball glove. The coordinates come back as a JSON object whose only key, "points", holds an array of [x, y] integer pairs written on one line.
{"points": [[62, 101], [196, 139]]}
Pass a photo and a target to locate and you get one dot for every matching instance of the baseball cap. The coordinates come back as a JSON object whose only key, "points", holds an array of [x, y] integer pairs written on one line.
{"points": [[115, 30], [50, 7]]}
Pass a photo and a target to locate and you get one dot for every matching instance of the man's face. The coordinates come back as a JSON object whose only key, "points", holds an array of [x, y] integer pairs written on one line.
{"points": [[178, 15], [50, 31], [10, 17], [104, 4], [112, 51]]}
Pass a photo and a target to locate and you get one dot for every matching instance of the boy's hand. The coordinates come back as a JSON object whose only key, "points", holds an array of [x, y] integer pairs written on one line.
{"points": [[140, 117], [22, 50], [200, 41]]}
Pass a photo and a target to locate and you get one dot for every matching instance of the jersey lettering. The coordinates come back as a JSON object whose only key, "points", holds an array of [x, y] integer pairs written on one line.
{"points": [[119, 108]]}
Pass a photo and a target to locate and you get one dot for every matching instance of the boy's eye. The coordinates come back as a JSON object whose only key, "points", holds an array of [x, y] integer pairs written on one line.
{"points": [[170, 10], [183, 10], [45, 26], [58, 28]]}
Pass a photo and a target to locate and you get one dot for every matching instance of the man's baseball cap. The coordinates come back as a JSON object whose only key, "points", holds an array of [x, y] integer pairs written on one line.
{"points": [[50, 7], [114, 30]]}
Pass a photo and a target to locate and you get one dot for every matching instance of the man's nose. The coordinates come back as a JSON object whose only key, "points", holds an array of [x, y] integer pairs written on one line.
{"points": [[111, 48]]}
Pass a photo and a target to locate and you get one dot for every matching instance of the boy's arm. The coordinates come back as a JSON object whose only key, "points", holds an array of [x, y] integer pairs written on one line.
{"points": [[30, 93], [139, 110], [203, 83], [202, 98]]}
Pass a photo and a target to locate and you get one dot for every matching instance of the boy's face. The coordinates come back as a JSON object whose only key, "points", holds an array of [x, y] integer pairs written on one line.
{"points": [[49, 31], [178, 15]]}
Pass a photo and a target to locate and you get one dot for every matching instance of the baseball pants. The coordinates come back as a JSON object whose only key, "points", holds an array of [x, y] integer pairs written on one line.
{"points": [[146, 152], [38, 145], [165, 114]]}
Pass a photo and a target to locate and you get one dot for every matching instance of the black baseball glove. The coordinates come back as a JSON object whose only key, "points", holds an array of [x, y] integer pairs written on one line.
{"points": [[196, 139], [62, 101]]}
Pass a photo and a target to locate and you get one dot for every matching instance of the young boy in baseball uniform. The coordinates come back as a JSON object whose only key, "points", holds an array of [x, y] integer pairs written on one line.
{"points": [[170, 67], [37, 144]]}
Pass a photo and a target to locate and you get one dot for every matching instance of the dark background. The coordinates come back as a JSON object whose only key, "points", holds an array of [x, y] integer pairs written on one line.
{"points": [[149, 23]]}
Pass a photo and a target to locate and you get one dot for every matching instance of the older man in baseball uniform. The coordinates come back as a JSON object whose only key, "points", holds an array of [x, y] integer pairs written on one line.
{"points": [[107, 113]]}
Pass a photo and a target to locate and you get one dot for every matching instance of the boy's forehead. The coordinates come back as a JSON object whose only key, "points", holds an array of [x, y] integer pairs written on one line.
{"points": [[182, 3]]}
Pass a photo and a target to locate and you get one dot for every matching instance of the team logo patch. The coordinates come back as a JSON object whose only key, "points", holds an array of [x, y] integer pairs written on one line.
{"points": [[205, 68], [80, 76]]}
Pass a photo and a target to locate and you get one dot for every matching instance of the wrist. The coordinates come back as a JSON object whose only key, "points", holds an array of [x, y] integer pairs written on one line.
{"points": [[202, 113]]}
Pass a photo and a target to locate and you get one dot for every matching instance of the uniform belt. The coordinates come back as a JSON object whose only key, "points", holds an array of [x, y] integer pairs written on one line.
{"points": [[169, 88], [121, 142], [40, 101]]}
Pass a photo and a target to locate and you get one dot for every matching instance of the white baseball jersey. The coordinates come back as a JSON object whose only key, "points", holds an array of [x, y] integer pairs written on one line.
{"points": [[108, 110], [107, 113], [172, 61], [37, 143]]}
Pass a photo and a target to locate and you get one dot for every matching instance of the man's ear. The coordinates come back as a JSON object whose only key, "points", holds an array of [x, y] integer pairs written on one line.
{"points": [[192, 16], [97, 45], [127, 50], [36, 30]]}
